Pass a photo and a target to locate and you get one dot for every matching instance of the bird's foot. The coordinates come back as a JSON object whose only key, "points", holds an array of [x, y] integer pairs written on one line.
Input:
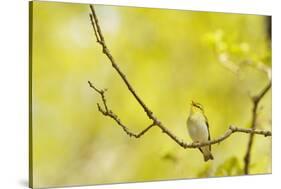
{"points": [[195, 142]]}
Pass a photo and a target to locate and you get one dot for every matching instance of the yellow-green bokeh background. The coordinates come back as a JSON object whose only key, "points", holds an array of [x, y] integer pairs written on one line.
{"points": [[166, 57]]}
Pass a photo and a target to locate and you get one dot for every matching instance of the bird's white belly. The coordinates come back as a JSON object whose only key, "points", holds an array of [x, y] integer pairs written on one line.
{"points": [[198, 130]]}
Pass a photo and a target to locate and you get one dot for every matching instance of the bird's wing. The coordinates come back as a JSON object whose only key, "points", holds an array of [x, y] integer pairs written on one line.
{"points": [[209, 136]]}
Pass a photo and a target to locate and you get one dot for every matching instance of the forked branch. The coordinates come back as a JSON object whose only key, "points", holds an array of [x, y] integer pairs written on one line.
{"points": [[105, 110], [255, 100]]}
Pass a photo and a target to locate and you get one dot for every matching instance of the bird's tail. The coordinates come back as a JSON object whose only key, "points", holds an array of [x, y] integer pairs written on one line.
{"points": [[207, 154]]}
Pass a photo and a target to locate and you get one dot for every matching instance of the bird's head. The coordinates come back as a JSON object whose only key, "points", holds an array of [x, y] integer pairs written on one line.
{"points": [[196, 107]]}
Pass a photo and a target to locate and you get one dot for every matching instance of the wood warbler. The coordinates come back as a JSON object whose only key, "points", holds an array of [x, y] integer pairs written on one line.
{"points": [[198, 129]]}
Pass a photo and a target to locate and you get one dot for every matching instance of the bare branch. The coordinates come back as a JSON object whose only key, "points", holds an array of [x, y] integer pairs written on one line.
{"points": [[101, 92], [155, 122], [109, 113], [100, 39], [227, 134], [94, 27], [255, 99]]}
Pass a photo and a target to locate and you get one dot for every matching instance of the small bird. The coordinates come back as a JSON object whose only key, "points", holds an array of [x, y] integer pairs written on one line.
{"points": [[198, 129]]}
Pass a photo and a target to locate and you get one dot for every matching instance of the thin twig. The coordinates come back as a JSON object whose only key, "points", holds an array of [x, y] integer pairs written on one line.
{"points": [[155, 122], [255, 100], [107, 112], [94, 27]]}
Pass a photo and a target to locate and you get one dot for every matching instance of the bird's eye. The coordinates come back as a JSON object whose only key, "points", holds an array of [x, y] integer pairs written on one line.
{"points": [[199, 106]]}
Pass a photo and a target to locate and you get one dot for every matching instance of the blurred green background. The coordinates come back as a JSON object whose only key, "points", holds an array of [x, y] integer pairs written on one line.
{"points": [[169, 58]]}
